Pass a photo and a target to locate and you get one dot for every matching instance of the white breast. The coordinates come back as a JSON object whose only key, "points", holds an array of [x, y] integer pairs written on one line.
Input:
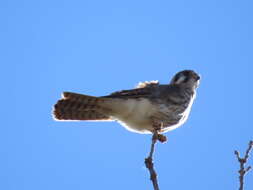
{"points": [[134, 114]]}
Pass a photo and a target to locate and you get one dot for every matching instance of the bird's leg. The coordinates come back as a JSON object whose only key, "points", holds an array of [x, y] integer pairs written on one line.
{"points": [[158, 126], [162, 138]]}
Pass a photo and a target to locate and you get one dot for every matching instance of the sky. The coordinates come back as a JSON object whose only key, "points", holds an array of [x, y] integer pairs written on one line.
{"points": [[97, 47]]}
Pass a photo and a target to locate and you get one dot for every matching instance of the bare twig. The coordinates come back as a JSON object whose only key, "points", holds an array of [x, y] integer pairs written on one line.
{"points": [[242, 162], [149, 160]]}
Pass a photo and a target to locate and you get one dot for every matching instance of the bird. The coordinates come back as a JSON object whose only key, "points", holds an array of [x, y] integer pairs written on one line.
{"points": [[149, 107]]}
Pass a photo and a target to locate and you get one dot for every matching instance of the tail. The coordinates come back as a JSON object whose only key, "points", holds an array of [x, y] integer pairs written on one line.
{"points": [[74, 106]]}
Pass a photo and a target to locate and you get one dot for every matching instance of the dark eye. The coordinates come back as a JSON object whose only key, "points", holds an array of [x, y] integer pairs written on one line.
{"points": [[186, 75], [186, 79]]}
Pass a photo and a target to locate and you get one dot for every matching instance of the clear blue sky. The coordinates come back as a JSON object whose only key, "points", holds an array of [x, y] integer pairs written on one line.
{"points": [[96, 47]]}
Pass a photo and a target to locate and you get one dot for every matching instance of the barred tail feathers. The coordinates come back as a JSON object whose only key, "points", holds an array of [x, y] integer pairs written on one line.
{"points": [[75, 106]]}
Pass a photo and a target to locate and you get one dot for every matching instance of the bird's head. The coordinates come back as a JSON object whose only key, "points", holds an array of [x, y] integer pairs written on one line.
{"points": [[187, 77]]}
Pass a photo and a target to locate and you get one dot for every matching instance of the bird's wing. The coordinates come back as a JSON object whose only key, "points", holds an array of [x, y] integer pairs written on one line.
{"points": [[133, 93], [143, 89]]}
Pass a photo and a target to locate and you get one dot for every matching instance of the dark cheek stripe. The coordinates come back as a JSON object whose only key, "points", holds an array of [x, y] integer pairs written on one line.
{"points": [[186, 79]]}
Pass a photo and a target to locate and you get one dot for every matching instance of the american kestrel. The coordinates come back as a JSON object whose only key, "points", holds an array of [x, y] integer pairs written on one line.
{"points": [[150, 106]]}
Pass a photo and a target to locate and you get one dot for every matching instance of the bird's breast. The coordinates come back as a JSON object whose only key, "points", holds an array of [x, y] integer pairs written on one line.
{"points": [[134, 114]]}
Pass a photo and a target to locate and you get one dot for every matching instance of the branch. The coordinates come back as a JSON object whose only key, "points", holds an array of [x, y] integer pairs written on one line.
{"points": [[149, 160], [242, 162]]}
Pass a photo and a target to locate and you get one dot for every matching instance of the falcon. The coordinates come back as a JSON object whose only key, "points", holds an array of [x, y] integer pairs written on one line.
{"points": [[147, 108]]}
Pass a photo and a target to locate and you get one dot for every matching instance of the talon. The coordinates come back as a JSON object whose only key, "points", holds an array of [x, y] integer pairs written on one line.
{"points": [[162, 138]]}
